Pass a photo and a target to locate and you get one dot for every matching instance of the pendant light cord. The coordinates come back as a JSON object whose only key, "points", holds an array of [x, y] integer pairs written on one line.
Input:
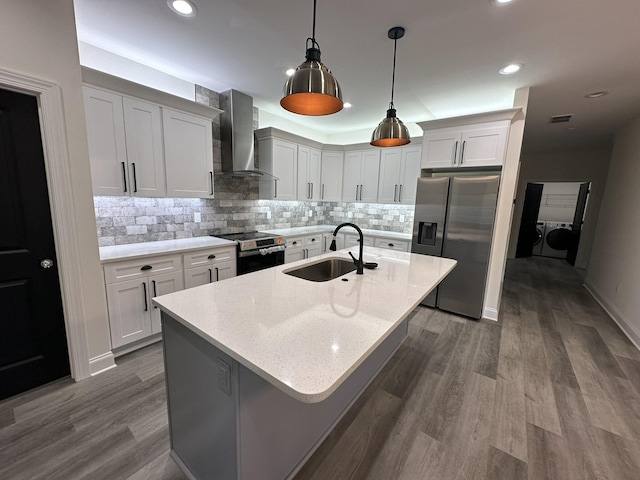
{"points": [[393, 76], [312, 38]]}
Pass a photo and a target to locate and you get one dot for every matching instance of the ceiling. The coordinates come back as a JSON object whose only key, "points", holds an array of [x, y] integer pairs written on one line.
{"points": [[447, 62]]}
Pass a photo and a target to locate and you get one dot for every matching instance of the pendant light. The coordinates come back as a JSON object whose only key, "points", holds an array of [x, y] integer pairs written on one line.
{"points": [[391, 132], [312, 89]]}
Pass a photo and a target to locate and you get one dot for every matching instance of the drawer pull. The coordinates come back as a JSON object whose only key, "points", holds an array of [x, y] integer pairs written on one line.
{"points": [[146, 267], [294, 243], [313, 239], [391, 245], [211, 257]]}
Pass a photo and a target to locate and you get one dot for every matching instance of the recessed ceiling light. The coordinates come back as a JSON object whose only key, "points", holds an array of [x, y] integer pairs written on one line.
{"points": [[346, 105], [186, 8], [290, 72], [500, 2], [511, 69], [599, 94]]}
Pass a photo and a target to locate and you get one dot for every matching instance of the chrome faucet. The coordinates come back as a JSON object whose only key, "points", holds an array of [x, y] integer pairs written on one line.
{"points": [[359, 263]]}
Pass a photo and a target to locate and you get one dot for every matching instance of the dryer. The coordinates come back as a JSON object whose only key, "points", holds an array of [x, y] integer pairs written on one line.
{"points": [[538, 239], [557, 239]]}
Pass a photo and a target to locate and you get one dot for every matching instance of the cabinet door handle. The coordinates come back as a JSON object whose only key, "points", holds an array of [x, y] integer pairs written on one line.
{"points": [[324, 248], [217, 275], [155, 293], [135, 179], [146, 267], [275, 194], [395, 193], [361, 192], [455, 154], [311, 196], [309, 190], [211, 181], [211, 257], [357, 186], [124, 176], [210, 276], [462, 152], [144, 296], [400, 194], [322, 191]]}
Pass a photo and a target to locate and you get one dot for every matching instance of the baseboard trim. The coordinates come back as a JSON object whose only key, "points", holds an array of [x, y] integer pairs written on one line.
{"points": [[490, 314], [102, 363], [627, 328]]}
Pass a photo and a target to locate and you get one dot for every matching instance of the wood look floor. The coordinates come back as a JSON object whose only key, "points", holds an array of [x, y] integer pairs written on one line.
{"points": [[552, 391]]}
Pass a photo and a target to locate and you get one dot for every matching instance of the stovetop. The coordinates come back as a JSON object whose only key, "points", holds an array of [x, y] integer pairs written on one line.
{"points": [[253, 240]]}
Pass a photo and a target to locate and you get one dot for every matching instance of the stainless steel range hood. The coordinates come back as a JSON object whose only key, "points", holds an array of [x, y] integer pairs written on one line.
{"points": [[236, 133]]}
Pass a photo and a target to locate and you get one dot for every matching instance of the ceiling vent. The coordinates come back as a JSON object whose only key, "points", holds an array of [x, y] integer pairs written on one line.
{"points": [[561, 118]]}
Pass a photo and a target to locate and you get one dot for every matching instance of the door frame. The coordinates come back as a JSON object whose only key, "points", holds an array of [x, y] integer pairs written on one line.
{"points": [[63, 215]]}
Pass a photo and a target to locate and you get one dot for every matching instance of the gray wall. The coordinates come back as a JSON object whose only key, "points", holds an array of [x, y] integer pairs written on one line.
{"points": [[615, 260]]}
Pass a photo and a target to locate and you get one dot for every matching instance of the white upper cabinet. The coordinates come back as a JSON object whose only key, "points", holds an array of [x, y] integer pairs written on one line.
{"points": [[478, 145], [125, 145], [309, 187], [280, 159], [188, 148], [331, 176], [143, 127], [399, 171], [361, 172]]}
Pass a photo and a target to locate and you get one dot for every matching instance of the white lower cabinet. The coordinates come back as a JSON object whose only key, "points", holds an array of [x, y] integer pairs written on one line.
{"points": [[131, 315], [354, 240], [400, 245], [131, 284], [299, 248]]}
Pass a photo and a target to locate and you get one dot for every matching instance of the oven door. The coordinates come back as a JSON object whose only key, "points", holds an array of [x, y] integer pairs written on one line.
{"points": [[253, 260]]}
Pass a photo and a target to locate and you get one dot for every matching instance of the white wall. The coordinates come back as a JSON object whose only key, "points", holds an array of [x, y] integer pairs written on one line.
{"points": [[565, 166], [38, 38], [614, 267], [504, 211]]}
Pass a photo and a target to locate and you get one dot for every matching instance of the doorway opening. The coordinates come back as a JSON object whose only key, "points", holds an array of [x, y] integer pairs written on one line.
{"points": [[552, 220]]}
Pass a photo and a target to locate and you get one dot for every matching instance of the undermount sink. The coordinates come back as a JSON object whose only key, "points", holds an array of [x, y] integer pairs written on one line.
{"points": [[323, 271]]}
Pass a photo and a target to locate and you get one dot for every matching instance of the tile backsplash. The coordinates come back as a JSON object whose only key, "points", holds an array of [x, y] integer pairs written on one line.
{"points": [[122, 220]]}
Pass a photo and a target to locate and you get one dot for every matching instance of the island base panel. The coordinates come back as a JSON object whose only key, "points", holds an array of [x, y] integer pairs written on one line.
{"points": [[202, 418], [258, 431]]}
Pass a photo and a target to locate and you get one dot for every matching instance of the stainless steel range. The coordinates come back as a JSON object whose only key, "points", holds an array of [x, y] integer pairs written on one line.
{"points": [[257, 250]]}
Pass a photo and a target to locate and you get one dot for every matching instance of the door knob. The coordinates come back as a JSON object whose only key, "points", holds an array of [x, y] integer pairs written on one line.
{"points": [[46, 263]]}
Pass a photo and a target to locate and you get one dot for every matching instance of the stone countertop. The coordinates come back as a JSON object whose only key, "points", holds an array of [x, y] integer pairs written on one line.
{"points": [[295, 231], [306, 337], [163, 247]]}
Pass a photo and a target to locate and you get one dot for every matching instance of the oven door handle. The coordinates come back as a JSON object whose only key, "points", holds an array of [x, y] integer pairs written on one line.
{"points": [[261, 251]]}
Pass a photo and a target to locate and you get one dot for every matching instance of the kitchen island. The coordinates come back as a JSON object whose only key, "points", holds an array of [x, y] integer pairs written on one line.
{"points": [[259, 368]]}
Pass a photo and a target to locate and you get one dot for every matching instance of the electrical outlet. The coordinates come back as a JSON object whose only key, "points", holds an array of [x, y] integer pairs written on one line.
{"points": [[401, 218], [224, 377], [269, 215], [197, 217]]}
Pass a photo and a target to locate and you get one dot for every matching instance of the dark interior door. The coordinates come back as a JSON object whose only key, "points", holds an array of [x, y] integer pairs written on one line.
{"points": [[530, 210], [33, 345], [578, 220]]}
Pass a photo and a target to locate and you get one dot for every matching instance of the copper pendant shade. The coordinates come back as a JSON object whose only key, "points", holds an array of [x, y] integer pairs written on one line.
{"points": [[391, 132], [312, 89]]}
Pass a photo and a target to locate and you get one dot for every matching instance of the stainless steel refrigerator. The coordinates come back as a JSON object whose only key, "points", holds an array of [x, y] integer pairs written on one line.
{"points": [[454, 218]]}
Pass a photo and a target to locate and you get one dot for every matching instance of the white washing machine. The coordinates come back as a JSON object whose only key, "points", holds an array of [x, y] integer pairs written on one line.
{"points": [[557, 239], [538, 240]]}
